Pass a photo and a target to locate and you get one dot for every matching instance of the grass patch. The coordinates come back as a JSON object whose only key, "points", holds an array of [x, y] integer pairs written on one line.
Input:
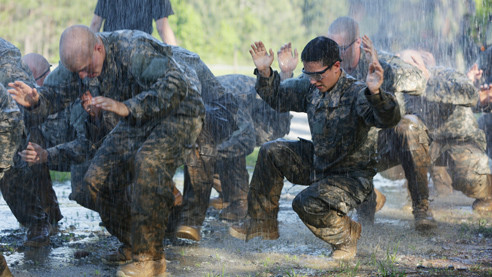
{"points": [[59, 176], [251, 158]]}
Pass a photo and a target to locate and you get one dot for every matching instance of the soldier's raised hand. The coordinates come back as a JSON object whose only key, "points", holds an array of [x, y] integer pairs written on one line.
{"points": [[375, 77], [287, 60], [23, 94], [262, 58]]}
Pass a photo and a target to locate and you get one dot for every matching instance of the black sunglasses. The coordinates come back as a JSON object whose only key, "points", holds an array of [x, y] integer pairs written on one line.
{"points": [[44, 73], [344, 48]]}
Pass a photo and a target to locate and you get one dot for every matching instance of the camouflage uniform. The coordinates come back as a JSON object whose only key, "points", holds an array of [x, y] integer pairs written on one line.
{"points": [[408, 142], [166, 114], [222, 121], [335, 165], [10, 137], [27, 190], [485, 121], [260, 123], [457, 142]]}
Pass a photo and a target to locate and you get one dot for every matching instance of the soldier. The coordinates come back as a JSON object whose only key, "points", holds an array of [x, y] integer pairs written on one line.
{"points": [[231, 165], [408, 142], [458, 145], [160, 116], [334, 165], [10, 136], [27, 189]]}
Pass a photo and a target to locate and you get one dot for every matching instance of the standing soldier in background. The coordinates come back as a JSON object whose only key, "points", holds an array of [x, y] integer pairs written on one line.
{"points": [[134, 15], [408, 142]]}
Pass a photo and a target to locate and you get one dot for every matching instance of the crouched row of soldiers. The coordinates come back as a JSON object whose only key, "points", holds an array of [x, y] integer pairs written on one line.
{"points": [[139, 109]]}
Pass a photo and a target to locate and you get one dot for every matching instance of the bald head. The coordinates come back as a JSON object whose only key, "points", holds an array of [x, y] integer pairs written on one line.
{"points": [[344, 26], [40, 67], [76, 46]]}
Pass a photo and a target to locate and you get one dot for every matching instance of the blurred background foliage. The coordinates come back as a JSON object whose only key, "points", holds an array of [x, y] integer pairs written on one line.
{"points": [[221, 31]]}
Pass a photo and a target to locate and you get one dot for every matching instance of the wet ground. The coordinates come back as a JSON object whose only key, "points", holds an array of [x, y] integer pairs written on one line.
{"points": [[461, 246]]}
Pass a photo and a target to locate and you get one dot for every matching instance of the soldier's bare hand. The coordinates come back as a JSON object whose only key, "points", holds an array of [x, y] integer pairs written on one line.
{"points": [[34, 154], [111, 105], [375, 77], [287, 60], [368, 47], [262, 58], [474, 74], [485, 94], [23, 94]]}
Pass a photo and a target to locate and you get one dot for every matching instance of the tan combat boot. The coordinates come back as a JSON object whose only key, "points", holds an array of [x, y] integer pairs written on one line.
{"points": [[236, 211], [121, 256], [188, 232], [251, 228], [348, 249], [154, 268], [482, 205], [218, 203], [424, 221], [380, 199], [4, 269]]}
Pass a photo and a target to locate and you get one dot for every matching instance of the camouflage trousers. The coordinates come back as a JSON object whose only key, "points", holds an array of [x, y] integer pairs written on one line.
{"points": [[485, 123], [234, 178], [407, 144], [29, 194], [467, 167], [321, 205], [154, 151]]}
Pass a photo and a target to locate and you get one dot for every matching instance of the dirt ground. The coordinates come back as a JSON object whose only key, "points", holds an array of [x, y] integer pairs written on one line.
{"points": [[461, 246]]}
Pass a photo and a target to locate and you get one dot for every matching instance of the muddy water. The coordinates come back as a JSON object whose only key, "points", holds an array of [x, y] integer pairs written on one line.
{"points": [[462, 245]]}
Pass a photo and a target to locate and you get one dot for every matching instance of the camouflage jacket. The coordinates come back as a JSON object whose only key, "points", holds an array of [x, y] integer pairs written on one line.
{"points": [[400, 78], [10, 129], [139, 71], [339, 120], [446, 108]]}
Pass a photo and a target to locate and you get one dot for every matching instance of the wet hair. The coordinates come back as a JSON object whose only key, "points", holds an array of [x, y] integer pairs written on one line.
{"points": [[76, 45], [321, 49], [344, 25]]}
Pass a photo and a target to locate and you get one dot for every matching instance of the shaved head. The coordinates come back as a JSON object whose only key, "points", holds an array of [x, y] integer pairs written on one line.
{"points": [[76, 46], [345, 26], [37, 63]]}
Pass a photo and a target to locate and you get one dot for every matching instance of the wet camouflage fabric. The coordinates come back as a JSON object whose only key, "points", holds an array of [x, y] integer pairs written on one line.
{"points": [[457, 142], [337, 140], [456, 90], [27, 190], [334, 166], [166, 114], [10, 129]]}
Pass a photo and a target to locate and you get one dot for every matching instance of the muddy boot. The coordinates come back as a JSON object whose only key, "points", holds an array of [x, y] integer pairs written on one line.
{"points": [[424, 221], [348, 249], [380, 199], [188, 232], [38, 235], [218, 203], [4, 269], [143, 268], [122, 255], [482, 205], [236, 211], [251, 228]]}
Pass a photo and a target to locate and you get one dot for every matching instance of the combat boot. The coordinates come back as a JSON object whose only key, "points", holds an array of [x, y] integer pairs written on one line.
{"points": [[121, 256], [482, 205], [237, 210], [178, 197], [424, 221], [38, 235], [251, 228], [149, 268], [4, 269], [380, 199], [188, 232], [348, 249]]}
